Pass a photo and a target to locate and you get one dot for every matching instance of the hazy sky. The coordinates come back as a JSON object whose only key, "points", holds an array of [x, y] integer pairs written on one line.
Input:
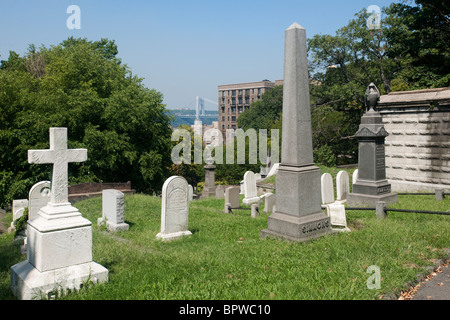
{"points": [[183, 48]]}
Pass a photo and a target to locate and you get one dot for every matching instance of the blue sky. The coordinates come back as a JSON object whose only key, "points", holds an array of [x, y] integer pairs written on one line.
{"points": [[184, 48]]}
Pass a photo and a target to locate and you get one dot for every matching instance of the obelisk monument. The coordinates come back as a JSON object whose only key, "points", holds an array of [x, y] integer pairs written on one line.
{"points": [[298, 215]]}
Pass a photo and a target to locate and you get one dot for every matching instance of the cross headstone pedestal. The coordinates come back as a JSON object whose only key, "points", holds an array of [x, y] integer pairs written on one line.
{"points": [[59, 253], [298, 215]]}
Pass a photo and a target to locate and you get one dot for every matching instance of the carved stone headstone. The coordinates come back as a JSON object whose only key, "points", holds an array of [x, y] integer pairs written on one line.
{"points": [[342, 186], [250, 190], [327, 188], [371, 185], [174, 209], [113, 210], [38, 197]]}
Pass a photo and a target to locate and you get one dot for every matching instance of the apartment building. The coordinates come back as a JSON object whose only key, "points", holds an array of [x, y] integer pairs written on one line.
{"points": [[236, 98]]}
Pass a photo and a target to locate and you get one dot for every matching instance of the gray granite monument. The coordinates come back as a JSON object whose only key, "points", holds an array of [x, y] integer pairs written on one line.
{"points": [[298, 215], [371, 184], [209, 190]]}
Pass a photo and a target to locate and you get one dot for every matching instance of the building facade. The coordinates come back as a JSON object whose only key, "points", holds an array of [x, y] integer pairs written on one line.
{"points": [[418, 145], [235, 99]]}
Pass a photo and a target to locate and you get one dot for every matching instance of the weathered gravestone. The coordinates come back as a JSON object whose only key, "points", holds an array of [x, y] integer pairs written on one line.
{"points": [[371, 185], [298, 215], [191, 192], [59, 254], [174, 209], [220, 192], [354, 176], [342, 186], [18, 209], [326, 188], [38, 197], [269, 202], [273, 170], [113, 210], [209, 189], [250, 192], [335, 209], [232, 198]]}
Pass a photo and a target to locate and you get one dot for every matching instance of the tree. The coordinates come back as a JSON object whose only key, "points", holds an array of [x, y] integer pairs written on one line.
{"points": [[421, 35], [81, 85]]}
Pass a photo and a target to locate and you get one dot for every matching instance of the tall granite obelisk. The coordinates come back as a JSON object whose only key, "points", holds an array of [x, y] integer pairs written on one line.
{"points": [[298, 215]]}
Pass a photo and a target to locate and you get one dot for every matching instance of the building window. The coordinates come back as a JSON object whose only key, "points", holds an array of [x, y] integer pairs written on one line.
{"points": [[223, 118], [233, 126], [223, 109], [233, 118], [233, 109], [233, 93], [233, 101], [240, 109]]}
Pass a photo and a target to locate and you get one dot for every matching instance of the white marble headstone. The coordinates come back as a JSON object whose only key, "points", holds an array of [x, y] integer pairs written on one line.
{"points": [[113, 210], [250, 193], [342, 185], [38, 197], [269, 202], [174, 209], [355, 176], [327, 188]]}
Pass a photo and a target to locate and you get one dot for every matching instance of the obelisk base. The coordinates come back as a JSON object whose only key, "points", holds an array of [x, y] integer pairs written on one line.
{"points": [[284, 226], [298, 215], [368, 200]]}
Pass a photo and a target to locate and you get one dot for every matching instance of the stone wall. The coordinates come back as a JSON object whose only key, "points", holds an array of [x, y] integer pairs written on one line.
{"points": [[418, 145]]}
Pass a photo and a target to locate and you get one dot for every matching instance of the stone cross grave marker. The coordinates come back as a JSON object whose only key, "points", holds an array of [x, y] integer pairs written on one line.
{"points": [[174, 209], [59, 246], [113, 210]]}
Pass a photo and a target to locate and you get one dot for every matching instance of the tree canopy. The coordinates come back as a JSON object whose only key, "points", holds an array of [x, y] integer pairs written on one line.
{"points": [[81, 85], [408, 51]]}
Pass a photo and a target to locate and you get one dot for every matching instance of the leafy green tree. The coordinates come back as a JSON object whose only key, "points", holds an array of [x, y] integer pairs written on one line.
{"points": [[420, 34], [81, 85]]}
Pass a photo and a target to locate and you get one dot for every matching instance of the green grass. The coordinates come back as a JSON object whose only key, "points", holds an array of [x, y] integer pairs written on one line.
{"points": [[225, 258]]}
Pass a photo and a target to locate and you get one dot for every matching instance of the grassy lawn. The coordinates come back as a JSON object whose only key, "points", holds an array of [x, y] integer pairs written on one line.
{"points": [[226, 259]]}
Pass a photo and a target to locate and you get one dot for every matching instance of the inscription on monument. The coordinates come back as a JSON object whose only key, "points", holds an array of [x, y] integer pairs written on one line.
{"points": [[380, 158], [384, 189], [315, 226]]}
